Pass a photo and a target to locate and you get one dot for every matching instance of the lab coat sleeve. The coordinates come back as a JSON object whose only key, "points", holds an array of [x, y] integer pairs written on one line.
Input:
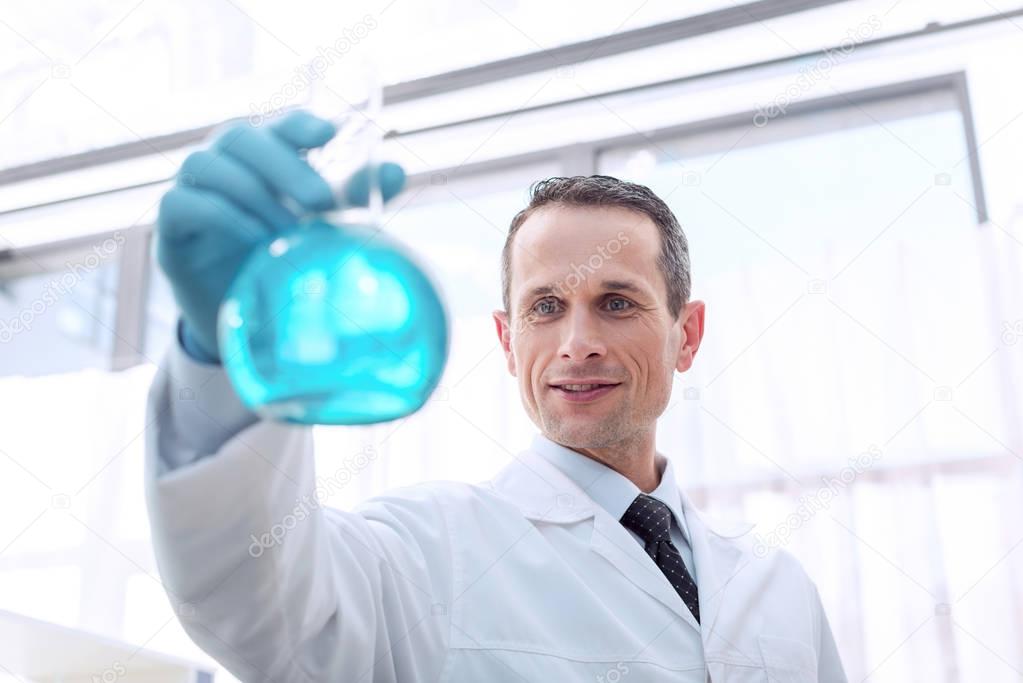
{"points": [[201, 412], [269, 582], [829, 663]]}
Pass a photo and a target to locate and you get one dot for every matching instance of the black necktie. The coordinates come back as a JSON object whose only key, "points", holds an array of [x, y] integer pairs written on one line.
{"points": [[651, 520]]}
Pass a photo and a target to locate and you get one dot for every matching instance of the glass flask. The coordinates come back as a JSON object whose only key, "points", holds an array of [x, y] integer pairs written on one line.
{"points": [[334, 321]]}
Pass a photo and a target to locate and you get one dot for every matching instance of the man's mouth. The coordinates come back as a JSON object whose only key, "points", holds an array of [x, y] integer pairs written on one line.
{"points": [[583, 392]]}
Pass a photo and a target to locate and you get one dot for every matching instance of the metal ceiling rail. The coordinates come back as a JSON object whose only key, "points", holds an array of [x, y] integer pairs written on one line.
{"points": [[597, 48], [194, 136], [574, 53]]}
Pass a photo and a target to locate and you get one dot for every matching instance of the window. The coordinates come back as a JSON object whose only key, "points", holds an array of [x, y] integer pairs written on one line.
{"points": [[59, 318], [824, 242]]}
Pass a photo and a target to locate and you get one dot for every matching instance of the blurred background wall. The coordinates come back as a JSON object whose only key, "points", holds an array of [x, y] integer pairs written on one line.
{"points": [[849, 176]]}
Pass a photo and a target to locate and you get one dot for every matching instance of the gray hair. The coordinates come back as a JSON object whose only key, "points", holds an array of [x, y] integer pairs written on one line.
{"points": [[602, 190]]}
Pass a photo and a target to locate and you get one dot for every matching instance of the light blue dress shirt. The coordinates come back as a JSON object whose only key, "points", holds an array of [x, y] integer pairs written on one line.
{"points": [[614, 492]]}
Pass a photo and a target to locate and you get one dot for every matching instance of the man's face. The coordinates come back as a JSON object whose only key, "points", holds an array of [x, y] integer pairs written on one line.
{"points": [[589, 304]]}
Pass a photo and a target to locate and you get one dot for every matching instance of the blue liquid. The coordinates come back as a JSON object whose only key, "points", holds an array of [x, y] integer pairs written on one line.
{"points": [[333, 325]]}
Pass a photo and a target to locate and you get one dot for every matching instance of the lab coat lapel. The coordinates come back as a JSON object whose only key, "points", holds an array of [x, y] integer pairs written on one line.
{"points": [[544, 493], [719, 560], [614, 543]]}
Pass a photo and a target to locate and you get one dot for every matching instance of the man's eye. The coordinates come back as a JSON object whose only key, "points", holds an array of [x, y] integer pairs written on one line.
{"points": [[618, 298], [542, 302]]}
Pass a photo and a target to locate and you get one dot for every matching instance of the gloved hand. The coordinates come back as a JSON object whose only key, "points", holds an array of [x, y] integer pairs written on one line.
{"points": [[227, 201]]}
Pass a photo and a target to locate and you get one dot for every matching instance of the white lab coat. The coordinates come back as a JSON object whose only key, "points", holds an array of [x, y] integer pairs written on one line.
{"points": [[522, 578]]}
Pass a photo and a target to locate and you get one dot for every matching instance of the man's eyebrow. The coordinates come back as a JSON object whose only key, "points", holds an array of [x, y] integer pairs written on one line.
{"points": [[607, 285], [622, 285]]}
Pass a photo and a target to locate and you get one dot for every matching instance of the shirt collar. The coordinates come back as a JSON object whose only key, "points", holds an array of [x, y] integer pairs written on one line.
{"points": [[609, 489]]}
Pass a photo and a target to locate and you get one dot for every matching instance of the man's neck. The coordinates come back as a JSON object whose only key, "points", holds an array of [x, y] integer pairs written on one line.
{"points": [[635, 460]]}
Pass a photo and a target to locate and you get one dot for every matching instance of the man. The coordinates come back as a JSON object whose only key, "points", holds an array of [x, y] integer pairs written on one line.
{"points": [[581, 560]]}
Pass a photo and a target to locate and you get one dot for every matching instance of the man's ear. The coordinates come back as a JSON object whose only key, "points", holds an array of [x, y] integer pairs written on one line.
{"points": [[504, 336], [692, 333]]}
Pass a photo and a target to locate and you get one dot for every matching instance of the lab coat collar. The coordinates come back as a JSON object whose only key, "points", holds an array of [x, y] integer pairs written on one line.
{"points": [[543, 493], [605, 487]]}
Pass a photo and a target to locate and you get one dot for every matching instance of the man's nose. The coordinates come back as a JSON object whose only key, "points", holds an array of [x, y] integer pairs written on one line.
{"points": [[581, 337]]}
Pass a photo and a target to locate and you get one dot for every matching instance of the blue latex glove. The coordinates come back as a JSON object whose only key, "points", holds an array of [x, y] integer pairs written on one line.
{"points": [[227, 201]]}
